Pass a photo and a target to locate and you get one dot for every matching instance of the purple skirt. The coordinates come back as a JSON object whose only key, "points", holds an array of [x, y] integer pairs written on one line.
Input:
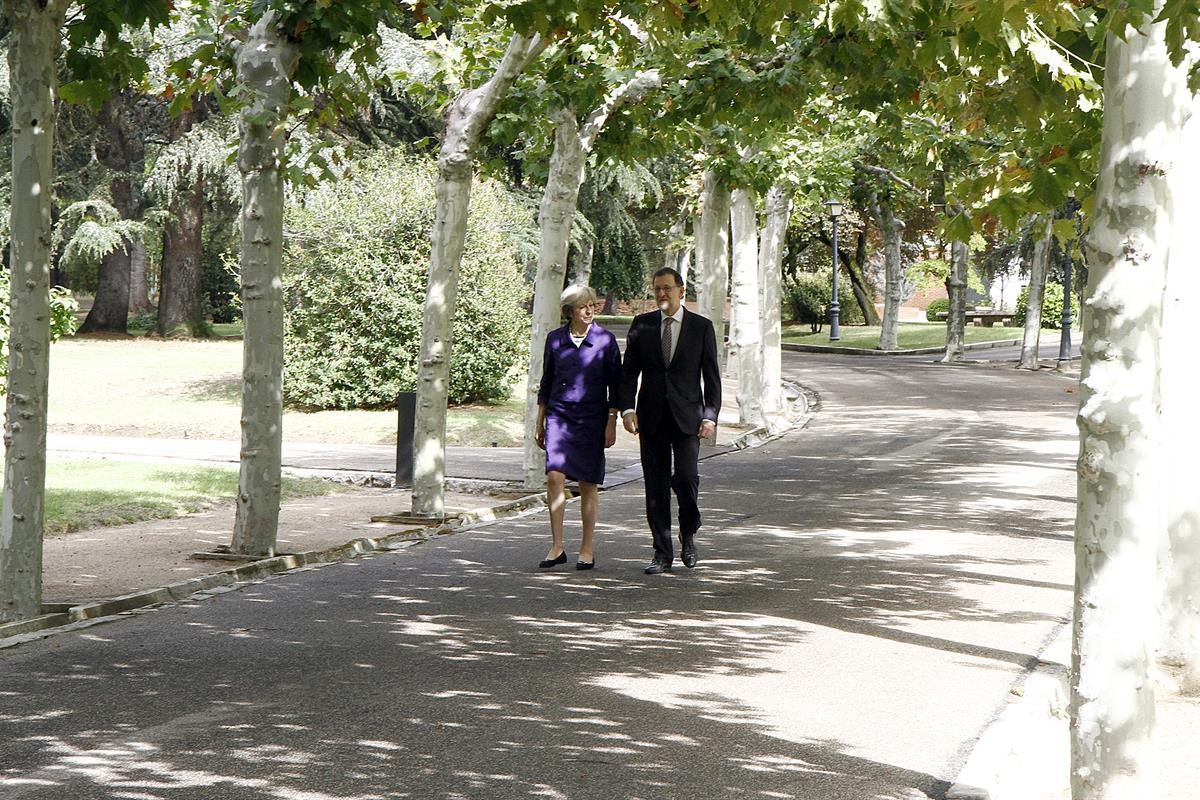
{"points": [[575, 440]]}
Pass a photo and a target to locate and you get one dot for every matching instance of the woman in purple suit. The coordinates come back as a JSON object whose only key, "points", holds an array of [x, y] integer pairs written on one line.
{"points": [[577, 416]]}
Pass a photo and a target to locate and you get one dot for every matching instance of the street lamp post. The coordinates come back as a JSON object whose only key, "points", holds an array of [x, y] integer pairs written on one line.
{"points": [[835, 211], [1064, 342]]}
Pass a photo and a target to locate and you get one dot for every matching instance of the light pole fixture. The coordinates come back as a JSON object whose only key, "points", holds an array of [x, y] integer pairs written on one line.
{"points": [[1064, 342], [835, 210]]}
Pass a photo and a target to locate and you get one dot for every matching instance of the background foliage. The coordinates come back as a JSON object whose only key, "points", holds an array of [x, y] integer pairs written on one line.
{"points": [[355, 266]]}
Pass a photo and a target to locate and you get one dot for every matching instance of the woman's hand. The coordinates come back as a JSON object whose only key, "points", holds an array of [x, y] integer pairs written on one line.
{"points": [[610, 432]]}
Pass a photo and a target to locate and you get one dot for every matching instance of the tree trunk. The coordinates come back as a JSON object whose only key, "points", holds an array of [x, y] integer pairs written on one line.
{"points": [[139, 285], [1121, 515], [892, 229], [466, 118], [265, 64], [1180, 567], [956, 290], [555, 214], [32, 48], [678, 259], [770, 265], [1037, 293], [181, 293], [862, 295], [583, 263], [746, 332], [712, 258], [123, 151]]}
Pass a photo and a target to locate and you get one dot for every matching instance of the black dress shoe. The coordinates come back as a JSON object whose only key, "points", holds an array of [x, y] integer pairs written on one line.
{"points": [[689, 554], [585, 564], [658, 567], [553, 562]]}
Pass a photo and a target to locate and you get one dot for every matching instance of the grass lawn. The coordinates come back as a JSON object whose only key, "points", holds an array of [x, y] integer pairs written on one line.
{"points": [[90, 493], [192, 389], [912, 335]]}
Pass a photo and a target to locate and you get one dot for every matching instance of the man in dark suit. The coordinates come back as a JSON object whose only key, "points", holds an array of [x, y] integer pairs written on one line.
{"points": [[673, 351]]}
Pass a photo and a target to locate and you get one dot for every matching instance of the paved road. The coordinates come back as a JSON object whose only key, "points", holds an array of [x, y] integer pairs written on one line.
{"points": [[870, 587]]}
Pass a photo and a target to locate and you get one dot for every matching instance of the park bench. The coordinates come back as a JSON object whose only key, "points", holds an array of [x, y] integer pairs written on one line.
{"points": [[985, 318]]}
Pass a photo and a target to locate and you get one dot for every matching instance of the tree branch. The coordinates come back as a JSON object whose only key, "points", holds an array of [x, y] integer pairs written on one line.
{"points": [[628, 92]]}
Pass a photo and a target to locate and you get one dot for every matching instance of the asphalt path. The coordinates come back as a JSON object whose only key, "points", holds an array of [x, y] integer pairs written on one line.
{"points": [[870, 588]]}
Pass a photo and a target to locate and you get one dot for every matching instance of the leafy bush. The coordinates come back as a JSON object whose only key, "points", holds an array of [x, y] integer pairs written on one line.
{"points": [[62, 318], [355, 272], [939, 306], [808, 295], [1052, 306]]}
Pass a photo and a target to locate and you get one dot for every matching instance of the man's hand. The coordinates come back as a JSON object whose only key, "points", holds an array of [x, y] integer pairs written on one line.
{"points": [[708, 428], [610, 433], [630, 422]]}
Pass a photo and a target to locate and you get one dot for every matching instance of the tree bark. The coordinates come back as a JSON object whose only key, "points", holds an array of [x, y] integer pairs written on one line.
{"points": [[265, 65], [956, 290], [678, 259], [770, 264], [555, 214], [893, 229], [583, 262], [181, 293], [139, 285], [1037, 293], [466, 118], [1121, 517], [122, 151], [33, 47], [1179, 566], [746, 327], [712, 258]]}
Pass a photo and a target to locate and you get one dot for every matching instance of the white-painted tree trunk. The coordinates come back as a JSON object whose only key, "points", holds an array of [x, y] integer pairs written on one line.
{"points": [[678, 258], [746, 332], [466, 118], [956, 289], [892, 229], [712, 257], [1038, 270], [265, 65], [773, 242], [32, 49], [1121, 495], [568, 162], [1180, 384]]}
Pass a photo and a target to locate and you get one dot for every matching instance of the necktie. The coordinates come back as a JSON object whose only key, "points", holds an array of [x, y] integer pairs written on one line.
{"points": [[668, 323]]}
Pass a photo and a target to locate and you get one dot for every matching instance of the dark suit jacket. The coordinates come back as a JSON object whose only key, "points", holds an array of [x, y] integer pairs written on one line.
{"points": [[676, 387]]}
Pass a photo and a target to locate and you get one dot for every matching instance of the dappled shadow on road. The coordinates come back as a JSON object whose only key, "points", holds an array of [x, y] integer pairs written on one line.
{"points": [[868, 591]]}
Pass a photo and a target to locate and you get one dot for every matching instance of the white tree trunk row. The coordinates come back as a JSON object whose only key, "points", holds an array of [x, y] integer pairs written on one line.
{"points": [[892, 228], [956, 290], [745, 331], [776, 215], [712, 257]]}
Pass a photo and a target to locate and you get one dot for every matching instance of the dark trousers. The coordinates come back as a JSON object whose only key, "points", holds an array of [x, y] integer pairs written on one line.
{"points": [[666, 447]]}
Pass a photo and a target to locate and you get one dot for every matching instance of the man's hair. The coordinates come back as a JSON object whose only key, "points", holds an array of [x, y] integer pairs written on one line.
{"points": [[674, 273]]}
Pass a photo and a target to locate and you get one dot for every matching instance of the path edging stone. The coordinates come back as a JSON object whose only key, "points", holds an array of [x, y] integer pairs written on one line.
{"points": [[916, 351]]}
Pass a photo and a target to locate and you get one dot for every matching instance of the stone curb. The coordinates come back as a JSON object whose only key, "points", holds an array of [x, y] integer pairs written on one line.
{"points": [[15, 633], [1024, 753], [917, 351]]}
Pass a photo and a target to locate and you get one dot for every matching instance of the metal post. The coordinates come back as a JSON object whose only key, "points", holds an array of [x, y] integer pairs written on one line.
{"points": [[834, 308], [406, 416]]}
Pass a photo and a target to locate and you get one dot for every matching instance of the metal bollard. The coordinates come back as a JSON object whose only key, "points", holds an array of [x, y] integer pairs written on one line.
{"points": [[406, 416]]}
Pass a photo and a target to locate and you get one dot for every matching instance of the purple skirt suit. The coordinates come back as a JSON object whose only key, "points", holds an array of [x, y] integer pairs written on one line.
{"points": [[579, 386]]}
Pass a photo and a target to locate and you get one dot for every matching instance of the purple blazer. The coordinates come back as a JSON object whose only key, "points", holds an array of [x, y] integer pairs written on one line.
{"points": [[589, 374]]}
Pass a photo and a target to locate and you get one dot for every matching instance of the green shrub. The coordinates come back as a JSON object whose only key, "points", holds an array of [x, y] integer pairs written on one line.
{"points": [[355, 272], [808, 295], [939, 306], [62, 318], [1052, 306]]}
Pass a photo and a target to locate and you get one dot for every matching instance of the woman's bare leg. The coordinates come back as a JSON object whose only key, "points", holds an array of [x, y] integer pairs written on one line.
{"points": [[589, 505], [556, 499]]}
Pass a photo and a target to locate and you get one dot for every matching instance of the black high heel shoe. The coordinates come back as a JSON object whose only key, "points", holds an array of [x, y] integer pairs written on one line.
{"points": [[553, 562]]}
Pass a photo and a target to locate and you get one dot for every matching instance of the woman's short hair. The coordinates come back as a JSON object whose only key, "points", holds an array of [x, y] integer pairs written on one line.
{"points": [[575, 296]]}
